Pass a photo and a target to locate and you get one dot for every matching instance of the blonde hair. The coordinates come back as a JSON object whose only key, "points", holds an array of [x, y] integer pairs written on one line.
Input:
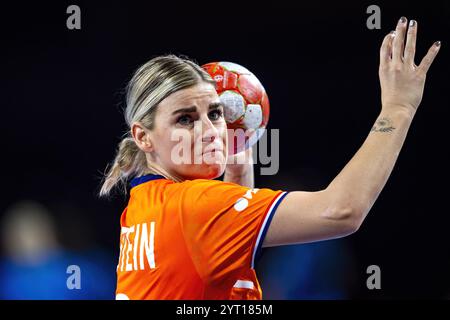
{"points": [[151, 83]]}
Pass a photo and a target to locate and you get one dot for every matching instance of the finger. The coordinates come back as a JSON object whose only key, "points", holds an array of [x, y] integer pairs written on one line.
{"points": [[429, 57], [397, 46], [386, 48], [410, 48]]}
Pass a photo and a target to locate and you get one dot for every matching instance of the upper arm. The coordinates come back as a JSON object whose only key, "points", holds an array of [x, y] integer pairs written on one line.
{"points": [[306, 217]]}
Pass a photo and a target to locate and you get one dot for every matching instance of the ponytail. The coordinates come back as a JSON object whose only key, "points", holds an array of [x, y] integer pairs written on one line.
{"points": [[129, 161], [151, 83]]}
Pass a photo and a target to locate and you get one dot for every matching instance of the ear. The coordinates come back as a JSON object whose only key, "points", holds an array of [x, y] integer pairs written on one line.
{"points": [[142, 137]]}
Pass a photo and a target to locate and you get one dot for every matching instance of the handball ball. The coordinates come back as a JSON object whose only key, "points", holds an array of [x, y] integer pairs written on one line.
{"points": [[246, 105]]}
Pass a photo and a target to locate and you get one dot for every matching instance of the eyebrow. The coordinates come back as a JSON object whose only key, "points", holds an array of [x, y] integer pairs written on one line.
{"points": [[213, 105]]}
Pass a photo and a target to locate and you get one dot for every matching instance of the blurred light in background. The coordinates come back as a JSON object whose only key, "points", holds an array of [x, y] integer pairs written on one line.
{"points": [[320, 270], [34, 261]]}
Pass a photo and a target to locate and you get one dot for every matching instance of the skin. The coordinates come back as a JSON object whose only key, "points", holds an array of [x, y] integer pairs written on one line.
{"points": [[338, 210], [202, 127]]}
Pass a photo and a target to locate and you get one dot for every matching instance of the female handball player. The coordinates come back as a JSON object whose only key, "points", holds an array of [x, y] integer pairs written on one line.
{"points": [[185, 235]]}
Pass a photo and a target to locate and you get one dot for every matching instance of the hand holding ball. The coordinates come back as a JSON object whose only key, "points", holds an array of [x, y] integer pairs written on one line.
{"points": [[246, 105]]}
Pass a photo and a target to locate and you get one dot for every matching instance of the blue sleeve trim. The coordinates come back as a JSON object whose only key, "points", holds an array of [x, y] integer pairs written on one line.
{"points": [[265, 227]]}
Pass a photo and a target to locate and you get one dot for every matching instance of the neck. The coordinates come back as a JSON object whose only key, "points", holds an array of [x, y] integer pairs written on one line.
{"points": [[156, 169]]}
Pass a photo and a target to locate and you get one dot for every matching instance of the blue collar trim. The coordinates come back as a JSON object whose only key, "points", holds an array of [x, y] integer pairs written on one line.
{"points": [[142, 179]]}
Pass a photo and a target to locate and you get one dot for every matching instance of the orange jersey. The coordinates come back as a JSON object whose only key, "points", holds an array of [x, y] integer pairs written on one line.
{"points": [[196, 239]]}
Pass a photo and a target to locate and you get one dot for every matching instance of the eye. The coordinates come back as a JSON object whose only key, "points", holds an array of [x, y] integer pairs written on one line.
{"points": [[216, 114], [184, 120]]}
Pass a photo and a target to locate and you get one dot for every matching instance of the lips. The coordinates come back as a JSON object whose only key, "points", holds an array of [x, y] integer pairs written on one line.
{"points": [[213, 148]]}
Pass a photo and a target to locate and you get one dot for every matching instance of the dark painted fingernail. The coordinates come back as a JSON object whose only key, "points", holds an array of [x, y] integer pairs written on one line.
{"points": [[412, 23], [392, 32], [403, 19], [437, 43]]}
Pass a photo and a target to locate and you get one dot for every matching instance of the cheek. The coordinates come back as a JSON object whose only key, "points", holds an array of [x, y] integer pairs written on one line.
{"points": [[166, 142], [222, 129], [178, 145], [224, 134]]}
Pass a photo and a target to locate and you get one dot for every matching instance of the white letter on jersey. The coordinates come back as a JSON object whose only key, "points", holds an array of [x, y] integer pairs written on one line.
{"points": [[123, 246], [148, 245], [129, 266], [242, 203], [135, 249], [122, 296]]}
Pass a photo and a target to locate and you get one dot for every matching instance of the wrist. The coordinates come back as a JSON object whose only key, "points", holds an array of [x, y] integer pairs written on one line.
{"points": [[398, 111]]}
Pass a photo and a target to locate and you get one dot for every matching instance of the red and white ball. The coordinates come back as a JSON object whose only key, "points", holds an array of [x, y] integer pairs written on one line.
{"points": [[246, 105]]}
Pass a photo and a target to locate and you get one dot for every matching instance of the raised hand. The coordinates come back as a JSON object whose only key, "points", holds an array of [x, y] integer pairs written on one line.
{"points": [[402, 81]]}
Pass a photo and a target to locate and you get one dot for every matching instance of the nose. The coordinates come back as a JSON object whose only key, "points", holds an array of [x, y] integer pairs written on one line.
{"points": [[210, 132], [208, 138]]}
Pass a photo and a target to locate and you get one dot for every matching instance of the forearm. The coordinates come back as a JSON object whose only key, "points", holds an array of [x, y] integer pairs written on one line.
{"points": [[360, 182], [244, 176], [357, 186]]}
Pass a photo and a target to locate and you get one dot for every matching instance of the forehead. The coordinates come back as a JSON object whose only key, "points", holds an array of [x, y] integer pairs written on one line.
{"points": [[200, 93]]}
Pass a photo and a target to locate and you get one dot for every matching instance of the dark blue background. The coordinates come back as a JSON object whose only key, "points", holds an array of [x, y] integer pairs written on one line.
{"points": [[61, 121]]}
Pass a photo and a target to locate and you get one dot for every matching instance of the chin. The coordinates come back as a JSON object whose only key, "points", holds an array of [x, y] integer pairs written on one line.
{"points": [[215, 170], [205, 171]]}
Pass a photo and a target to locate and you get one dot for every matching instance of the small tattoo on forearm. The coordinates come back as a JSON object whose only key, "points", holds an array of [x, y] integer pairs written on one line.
{"points": [[383, 125]]}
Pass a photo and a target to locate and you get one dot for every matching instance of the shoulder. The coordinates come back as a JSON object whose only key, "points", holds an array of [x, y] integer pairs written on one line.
{"points": [[201, 188]]}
